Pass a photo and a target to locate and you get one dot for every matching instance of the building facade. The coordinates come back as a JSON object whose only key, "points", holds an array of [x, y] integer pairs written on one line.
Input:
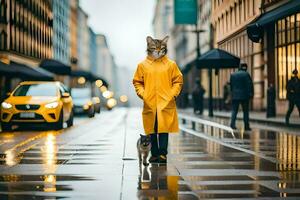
{"points": [[74, 6], [83, 40], [106, 66], [281, 45], [271, 60], [229, 20], [61, 30], [93, 51], [26, 29]]}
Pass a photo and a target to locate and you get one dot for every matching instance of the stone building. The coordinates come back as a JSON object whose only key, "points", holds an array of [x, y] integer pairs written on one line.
{"points": [[106, 66], [61, 30], [93, 51], [83, 40], [26, 29], [74, 6], [271, 59]]}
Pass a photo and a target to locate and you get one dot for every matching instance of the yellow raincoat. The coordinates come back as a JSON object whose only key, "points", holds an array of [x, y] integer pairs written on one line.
{"points": [[158, 82]]}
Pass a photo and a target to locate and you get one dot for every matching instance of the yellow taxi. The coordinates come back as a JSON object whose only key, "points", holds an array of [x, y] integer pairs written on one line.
{"points": [[37, 102]]}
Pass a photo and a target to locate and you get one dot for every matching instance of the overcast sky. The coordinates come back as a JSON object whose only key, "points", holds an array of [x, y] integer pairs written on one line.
{"points": [[126, 23]]}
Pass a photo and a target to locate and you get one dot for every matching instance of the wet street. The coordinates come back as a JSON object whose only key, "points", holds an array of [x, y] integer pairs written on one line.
{"points": [[97, 159]]}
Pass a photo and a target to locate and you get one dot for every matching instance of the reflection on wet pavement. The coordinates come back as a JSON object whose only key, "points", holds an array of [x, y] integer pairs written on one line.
{"points": [[98, 160]]}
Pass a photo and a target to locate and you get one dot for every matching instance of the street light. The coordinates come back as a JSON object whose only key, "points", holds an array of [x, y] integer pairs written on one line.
{"points": [[99, 83], [103, 88], [81, 80], [123, 98], [111, 103], [107, 94]]}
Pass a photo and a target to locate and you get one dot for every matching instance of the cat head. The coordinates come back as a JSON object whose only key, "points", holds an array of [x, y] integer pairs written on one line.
{"points": [[145, 140], [157, 48]]}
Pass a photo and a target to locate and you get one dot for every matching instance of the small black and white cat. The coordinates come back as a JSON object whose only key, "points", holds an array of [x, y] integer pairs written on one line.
{"points": [[143, 148]]}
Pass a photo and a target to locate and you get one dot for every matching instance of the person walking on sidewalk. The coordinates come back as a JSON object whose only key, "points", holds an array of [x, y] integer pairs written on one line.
{"points": [[158, 81], [198, 93], [293, 95], [242, 91]]}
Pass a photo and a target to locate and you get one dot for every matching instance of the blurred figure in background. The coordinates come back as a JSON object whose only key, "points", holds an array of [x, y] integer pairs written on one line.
{"points": [[198, 94], [242, 91], [226, 96], [271, 101], [293, 95]]}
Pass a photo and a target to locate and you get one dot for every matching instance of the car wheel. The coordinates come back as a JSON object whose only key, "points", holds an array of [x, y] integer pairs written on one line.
{"points": [[70, 120], [94, 113], [60, 123], [6, 126], [90, 115]]}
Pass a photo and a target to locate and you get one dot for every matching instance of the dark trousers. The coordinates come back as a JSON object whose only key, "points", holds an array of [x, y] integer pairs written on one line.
{"points": [[159, 142], [235, 109], [292, 104], [198, 107]]}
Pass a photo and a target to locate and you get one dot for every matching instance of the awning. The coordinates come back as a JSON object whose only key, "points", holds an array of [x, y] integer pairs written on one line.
{"points": [[29, 73], [88, 76], [55, 67], [218, 59], [255, 29], [215, 59]]}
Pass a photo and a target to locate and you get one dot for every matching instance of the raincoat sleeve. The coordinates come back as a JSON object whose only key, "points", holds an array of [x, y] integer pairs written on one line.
{"points": [[138, 81], [177, 80]]}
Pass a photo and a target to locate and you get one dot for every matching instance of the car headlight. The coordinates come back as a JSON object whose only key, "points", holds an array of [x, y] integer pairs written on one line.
{"points": [[85, 107], [51, 105], [6, 105], [90, 103]]}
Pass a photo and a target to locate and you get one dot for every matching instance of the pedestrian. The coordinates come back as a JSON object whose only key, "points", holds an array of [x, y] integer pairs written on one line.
{"points": [[293, 95], [242, 91], [198, 94], [271, 101], [226, 95], [158, 81]]}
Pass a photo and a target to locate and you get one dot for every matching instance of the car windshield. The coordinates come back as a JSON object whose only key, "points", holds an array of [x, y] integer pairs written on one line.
{"points": [[81, 93], [46, 89]]}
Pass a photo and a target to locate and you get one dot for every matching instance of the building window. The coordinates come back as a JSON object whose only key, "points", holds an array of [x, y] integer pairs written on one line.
{"points": [[3, 10], [287, 43], [3, 40]]}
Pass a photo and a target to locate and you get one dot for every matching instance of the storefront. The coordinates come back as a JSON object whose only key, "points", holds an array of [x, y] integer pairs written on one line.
{"points": [[287, 50], [278, 31]]}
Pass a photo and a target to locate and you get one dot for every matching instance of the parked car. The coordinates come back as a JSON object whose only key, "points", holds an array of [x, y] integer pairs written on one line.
{"points": [[37, 102], [83, 103]]}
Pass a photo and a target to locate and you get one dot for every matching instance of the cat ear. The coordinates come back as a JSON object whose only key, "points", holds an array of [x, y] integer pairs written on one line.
{"points": [[165, 40], [149, 39]]}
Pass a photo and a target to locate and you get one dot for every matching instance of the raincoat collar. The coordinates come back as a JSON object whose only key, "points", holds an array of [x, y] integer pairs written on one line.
{"points": [[163, 59]]}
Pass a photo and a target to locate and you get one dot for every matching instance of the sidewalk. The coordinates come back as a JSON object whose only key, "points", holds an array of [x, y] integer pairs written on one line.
{"points": [[257, 117]]}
